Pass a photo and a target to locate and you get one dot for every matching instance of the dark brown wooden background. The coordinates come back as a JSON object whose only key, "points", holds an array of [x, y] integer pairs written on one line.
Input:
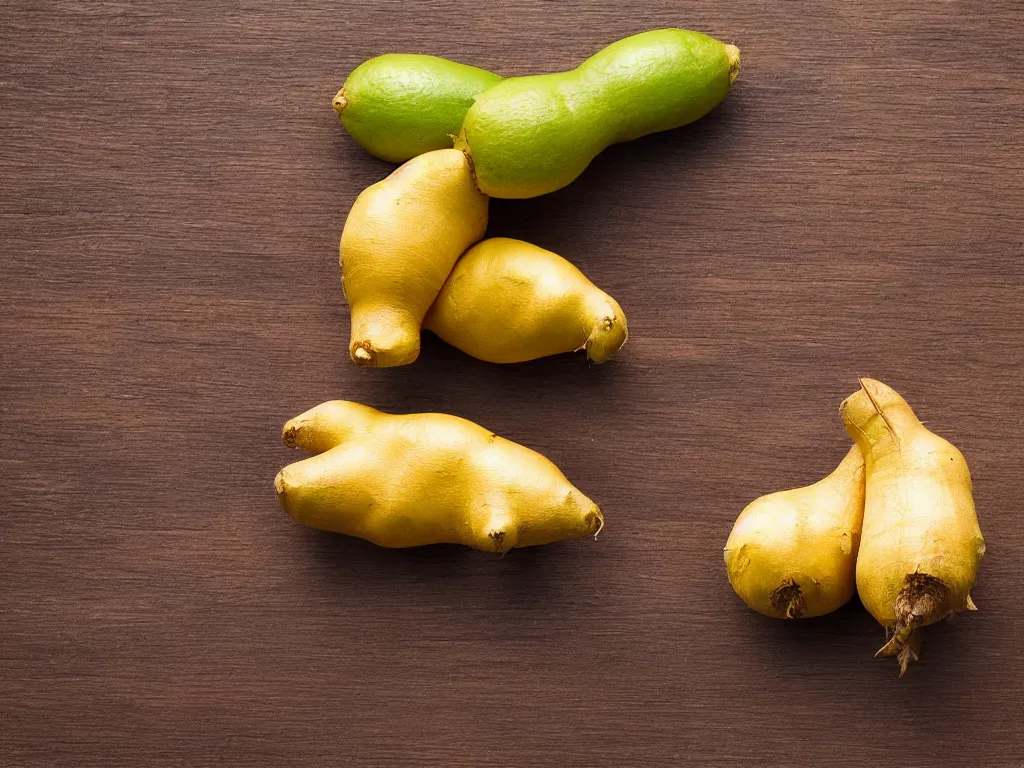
{"points": [[173, 187]]}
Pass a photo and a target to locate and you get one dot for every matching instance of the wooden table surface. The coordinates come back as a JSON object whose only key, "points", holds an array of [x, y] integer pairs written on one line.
{"points": [[173, 183]]}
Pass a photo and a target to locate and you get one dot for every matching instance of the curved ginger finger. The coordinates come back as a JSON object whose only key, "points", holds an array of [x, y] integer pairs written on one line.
{"points": [[327, 425]]}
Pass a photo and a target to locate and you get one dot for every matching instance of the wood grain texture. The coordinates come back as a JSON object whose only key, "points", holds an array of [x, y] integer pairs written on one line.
{"points": [[174, 184]]}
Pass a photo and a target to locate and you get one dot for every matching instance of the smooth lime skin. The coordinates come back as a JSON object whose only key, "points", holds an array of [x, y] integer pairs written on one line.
{"points": [[400, 105], [528, 136]]}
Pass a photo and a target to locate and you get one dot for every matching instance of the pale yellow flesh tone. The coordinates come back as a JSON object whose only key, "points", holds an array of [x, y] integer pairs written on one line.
{"points": [[508, 301], [401, 240], [792, 554], [921, 545], [426, 478]]}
